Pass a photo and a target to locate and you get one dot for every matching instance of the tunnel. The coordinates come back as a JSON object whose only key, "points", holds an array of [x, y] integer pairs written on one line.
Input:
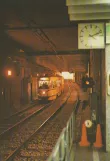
{"points": [[55, 52]]}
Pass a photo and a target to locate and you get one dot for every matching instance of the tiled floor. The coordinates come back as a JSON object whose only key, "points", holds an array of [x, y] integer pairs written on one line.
{"points": [[83, 154], [88, 154], [72, 154]]}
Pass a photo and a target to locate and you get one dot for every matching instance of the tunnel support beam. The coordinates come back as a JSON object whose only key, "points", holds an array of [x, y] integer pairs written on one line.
{"points": [[97, 72], [95, 56]]}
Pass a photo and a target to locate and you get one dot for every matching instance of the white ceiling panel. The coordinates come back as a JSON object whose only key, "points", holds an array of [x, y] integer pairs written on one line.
{"points": [[89, 16], [88, 9], [86, 2]]}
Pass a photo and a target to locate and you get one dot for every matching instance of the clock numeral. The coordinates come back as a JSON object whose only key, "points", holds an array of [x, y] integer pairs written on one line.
{"points": [[91, 25], [86, 27]]}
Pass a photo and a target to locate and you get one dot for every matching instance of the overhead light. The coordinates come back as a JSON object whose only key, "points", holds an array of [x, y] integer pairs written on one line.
{"points": [[9, 73]]}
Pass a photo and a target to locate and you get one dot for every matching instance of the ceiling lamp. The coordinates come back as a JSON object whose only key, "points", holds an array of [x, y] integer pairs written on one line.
{"points": [[9, 72]]}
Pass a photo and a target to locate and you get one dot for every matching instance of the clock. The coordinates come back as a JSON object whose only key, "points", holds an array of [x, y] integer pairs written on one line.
{"points": [[91, 36]]}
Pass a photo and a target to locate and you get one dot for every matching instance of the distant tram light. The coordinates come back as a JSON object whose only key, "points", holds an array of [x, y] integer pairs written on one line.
{"points": [[9, 73]]}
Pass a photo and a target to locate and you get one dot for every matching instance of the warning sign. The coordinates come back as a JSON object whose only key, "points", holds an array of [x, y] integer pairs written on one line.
{"points": [[88, 123]]}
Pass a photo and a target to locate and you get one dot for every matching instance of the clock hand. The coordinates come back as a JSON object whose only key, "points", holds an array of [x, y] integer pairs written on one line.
{"points": [[95, 34], [92, 36]]}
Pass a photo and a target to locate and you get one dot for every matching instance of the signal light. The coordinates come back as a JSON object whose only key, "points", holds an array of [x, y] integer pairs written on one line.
{"points": [[9, 73], [87, 82]]}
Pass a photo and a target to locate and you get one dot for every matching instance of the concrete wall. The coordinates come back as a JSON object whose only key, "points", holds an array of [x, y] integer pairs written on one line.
{"points": [[18, 89], [107, 64], [78, 76]]}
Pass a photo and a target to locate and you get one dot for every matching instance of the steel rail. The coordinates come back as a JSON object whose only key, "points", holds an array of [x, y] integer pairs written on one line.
{"points": [[19, 112], [22, 121], [16, 151]]}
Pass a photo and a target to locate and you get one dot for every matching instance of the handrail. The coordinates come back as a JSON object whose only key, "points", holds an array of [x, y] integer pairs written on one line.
{"points": [[61, 151]]}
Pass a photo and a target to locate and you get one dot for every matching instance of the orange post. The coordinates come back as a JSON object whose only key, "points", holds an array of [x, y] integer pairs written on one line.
{"points": [[98, 143], [84, 141]]}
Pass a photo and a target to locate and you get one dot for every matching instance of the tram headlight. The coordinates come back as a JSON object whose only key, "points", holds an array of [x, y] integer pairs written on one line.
{"points": [[43, 92]]}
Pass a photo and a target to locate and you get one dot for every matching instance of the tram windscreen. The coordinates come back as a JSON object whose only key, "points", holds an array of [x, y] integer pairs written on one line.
{"points": [[43, 84]]}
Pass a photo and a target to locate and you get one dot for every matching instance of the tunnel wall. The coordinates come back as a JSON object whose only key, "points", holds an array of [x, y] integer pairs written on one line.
{"points": [[78, 76], [18, 89]]}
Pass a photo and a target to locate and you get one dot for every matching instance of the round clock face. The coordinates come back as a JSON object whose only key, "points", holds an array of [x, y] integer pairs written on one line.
{"points": [[91, 36]]}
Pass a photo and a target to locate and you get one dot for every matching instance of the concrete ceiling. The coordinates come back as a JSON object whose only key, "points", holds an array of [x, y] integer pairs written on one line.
{"points": [[64, 63], [44, 32]]}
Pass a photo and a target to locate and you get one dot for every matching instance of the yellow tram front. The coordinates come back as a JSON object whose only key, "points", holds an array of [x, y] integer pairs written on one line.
{"points": [[50, 87]]}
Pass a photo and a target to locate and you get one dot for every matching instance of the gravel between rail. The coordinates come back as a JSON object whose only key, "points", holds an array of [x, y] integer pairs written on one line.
{"points": [[40, 147], [17, 119], [23, 132]]}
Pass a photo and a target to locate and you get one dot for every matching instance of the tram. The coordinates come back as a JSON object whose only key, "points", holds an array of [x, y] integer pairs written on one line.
{"points": [[49, 88]]}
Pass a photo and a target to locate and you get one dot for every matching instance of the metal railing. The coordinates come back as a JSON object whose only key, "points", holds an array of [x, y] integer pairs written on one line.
{"points": [[62, 149]]}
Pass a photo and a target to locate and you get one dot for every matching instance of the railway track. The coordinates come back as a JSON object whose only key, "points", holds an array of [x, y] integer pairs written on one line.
{"points": [[18, 118], [11, 143], [39, 146], [28, 148]]}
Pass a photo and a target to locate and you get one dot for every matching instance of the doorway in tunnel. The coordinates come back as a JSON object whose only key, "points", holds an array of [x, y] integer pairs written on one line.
{"points": [[5, 101]]}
